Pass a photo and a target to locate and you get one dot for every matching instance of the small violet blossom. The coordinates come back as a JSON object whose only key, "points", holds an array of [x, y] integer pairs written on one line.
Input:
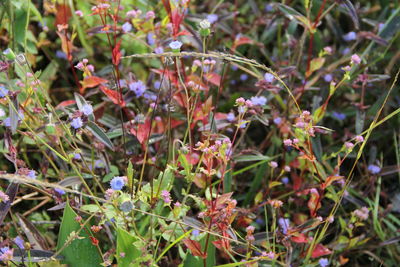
{"points": [[268, 77], [159, 50], [59, 191], [374, 169], [212, 18], [230, 117], [166, 196], [76, 123], [4, 197], [284, 225], [355, 59], [3, 91], [87, 109], [6, 254], [126, 27], [150, 38], [277, 120], [351, 36], [323, 262], [79, 13], [137, 87], [117, 183], [328, 78], [258, 100], [19, 242], [175, 45]]}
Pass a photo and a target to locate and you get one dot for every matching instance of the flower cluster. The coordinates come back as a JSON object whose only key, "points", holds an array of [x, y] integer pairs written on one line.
{"points": [[362, 213]]}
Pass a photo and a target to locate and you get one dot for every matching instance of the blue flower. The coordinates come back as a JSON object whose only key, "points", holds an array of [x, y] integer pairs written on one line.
{"points": [[231, 116], [285, 180], [87, 109], [3, 91], [127, 27], [195, 232], [374, 169], [323, 262], [212, 18], [328, 78], [351, 36], [175, 45], [19, 242], [77, 156], [31, 174], [159, 50], [244, 77], [138, 88], [76, 123], [338, 115], [278, 120], [258, 100], [59, 191], [268, 77], [117, 183], [7, 122], [284, 225], [61, 54], [150, 38]]}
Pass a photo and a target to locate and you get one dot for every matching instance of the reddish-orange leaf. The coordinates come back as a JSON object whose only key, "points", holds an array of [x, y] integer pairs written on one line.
{"points": [[195, 248], [183, 33], [92, 81], [241, 41], [314, 203], [319, 251], [214, 78], [113, 95], [299, 238], [141, 131], [65, 103], [330, 180], [63, 14], [116, 53]]}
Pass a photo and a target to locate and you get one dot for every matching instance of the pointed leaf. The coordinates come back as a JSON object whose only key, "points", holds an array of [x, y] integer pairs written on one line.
{"points": [[99, 134]]}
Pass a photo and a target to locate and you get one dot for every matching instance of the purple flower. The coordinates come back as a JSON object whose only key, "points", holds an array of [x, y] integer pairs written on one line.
{"points": [[166, 196], [278, 120], [127, 27], [268, 8], [61, 54], [351, 36], [19, 242], [4, 197], [159, 50], [212, 18], [284, 225], [2, 112], [268, 77], [3, 91], [76, 123], [31, 174], [175, 45], [374, 169], [7, 122], [59, 191], [138, 88], [6, 254], [258, 100], [234, 67], [355, 59], [230, 117], [79, 13], [285, 180], [346, 51], [117, 183], [87, 109], [244, 77], [195, 232], [323, 262], [338, 115], [150, 38], [328, 78], [77, 156]]}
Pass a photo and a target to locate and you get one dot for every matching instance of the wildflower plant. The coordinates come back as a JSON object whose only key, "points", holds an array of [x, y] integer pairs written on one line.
{"points": [[168, 133]]}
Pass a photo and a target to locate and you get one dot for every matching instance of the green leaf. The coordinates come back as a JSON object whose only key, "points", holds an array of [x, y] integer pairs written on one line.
{"points": [[21, 23], [80, 252], [125, 244], [245, 158], [99, 134], [91, 208]]}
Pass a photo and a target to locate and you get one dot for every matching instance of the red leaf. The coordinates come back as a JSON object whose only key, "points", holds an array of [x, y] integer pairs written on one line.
{"points": [[319, 251], [299, 238], [65, 103], [183, 33], [330, 180], [91, 81], [195, 248], [177, 19], [113, 95], [314, 203], [241, 41], [141, 131], [116, 54], [214, 78], [63, 14]]}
